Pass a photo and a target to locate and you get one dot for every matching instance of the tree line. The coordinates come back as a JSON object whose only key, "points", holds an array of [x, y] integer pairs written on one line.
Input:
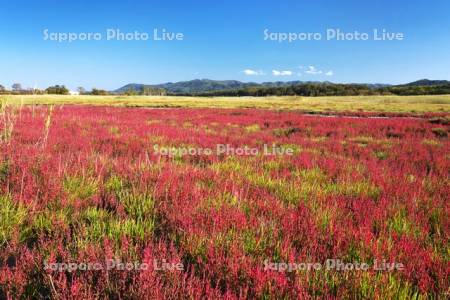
{"points": [[16, 89], [324, 89], [305, 89]]}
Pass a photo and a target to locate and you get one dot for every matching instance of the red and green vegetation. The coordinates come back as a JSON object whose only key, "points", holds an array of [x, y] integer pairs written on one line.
{"points": [[83, 184]]}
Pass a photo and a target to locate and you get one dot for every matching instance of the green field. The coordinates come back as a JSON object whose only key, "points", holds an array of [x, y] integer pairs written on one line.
{"points": [[403, 104]]}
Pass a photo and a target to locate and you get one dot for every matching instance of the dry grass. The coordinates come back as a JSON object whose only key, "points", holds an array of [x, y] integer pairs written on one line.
{"points": [[414, 104]]}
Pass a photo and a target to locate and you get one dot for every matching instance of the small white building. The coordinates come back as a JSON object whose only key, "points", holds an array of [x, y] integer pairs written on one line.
{"points": [[74, 93]]}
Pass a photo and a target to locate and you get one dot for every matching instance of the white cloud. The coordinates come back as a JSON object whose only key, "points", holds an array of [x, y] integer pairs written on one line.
{"points": [[281, 73], [251, 72], [313, 71]]}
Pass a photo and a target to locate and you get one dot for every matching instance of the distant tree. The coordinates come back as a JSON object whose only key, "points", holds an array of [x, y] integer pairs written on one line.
{"points": [[81, 90], [131, 92], [98, 92], [2, 88], [147, 91], [150, 91], [16, 87], [36, 91], [57, 90]]}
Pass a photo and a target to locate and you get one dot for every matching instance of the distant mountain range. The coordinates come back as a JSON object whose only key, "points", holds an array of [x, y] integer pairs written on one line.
{"points": [[427, 82], [199, 86], [190, 87]]}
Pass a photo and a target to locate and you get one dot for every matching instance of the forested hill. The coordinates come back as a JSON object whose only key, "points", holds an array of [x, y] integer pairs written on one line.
{"points": [[206, 87]]}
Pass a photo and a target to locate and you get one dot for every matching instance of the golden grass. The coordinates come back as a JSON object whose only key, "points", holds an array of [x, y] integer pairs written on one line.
{"points": [[414, 104]]}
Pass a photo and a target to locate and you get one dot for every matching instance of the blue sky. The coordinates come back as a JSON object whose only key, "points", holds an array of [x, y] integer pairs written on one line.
{"points": [[222, 40]]}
